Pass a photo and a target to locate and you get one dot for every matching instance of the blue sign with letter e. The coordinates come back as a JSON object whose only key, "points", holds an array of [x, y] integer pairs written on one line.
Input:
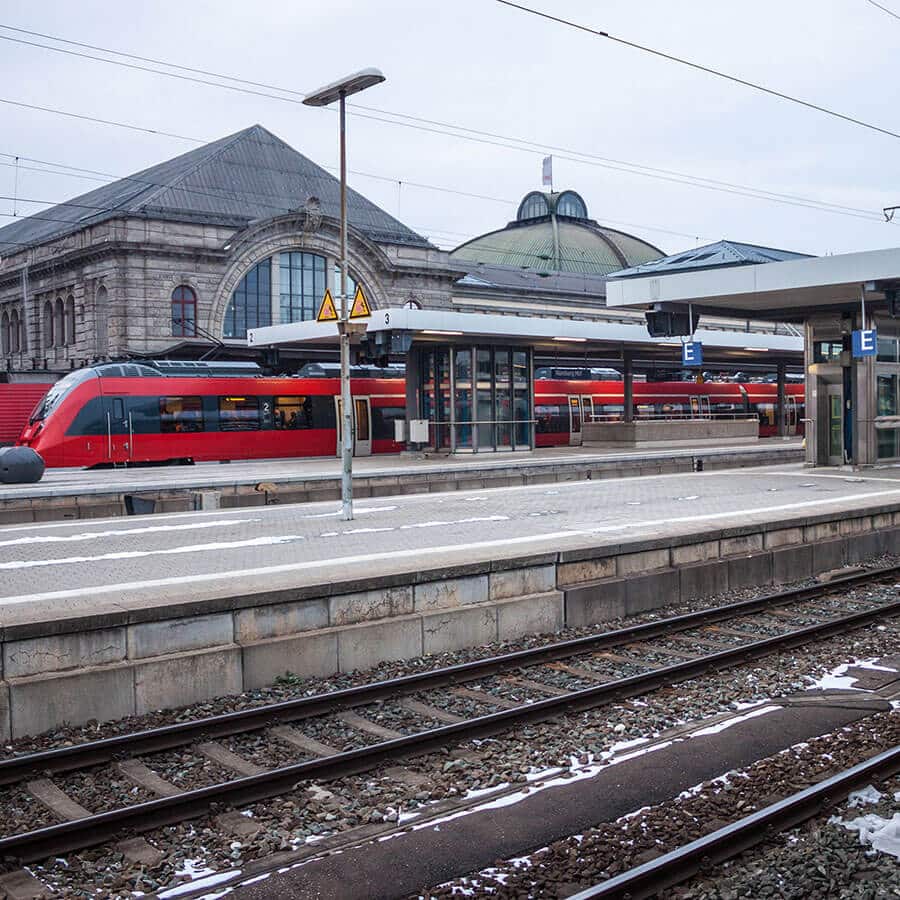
{"points": [[864, 343], [692, 354]]}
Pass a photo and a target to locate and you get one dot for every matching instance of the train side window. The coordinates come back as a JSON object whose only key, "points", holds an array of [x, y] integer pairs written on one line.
{"points": [[551, 418], [91, 419], [180, 414], [293, 413], [239, 414], [118, 408], [144, 413], [383, 418]]}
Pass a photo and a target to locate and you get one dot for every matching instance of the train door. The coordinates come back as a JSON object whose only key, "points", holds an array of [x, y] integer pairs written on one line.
{"points": [[119, 431], [362, 425], [574, 421], [700, 408], [587, 408]]}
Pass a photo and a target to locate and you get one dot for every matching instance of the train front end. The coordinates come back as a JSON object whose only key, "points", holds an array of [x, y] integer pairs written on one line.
{"points": [[48, 431]]}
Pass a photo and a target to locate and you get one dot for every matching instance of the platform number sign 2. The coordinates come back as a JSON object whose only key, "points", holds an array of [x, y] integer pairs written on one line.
{"points": [[692, 353], [864, 343]]}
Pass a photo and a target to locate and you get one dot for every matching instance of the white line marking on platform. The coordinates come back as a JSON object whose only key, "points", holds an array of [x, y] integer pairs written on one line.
{"points": [[136, 554], [93, 535], [273, 570]]}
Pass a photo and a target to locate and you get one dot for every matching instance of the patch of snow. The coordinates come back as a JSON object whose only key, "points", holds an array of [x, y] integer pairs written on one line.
{"points": [[735, 720], [200, 878], [834, 680], [868, 794], [881, 834]]}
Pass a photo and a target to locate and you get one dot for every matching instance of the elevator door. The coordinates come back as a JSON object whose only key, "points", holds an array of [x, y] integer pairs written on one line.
{"points": [[835, 425]]}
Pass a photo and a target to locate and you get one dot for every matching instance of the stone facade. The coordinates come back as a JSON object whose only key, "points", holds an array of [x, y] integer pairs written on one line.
{"points": [[118, 277]]}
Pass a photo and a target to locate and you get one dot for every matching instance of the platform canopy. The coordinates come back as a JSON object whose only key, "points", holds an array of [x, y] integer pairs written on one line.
{"points": [[540, 332], [785, 291]]}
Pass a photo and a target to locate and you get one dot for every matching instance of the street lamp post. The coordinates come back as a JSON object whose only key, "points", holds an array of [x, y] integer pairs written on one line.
{"points": [[340, 90]]}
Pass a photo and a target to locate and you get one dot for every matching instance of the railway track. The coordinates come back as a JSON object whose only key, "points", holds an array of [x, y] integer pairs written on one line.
{"points": [[422, 712], [683, 863]]}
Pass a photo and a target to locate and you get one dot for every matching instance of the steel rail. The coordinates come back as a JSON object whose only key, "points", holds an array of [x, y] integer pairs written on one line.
{"points": [[679, 865], [77, 756], [96, 829]]}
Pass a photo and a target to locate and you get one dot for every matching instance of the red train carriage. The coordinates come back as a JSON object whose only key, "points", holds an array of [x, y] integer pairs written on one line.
{"points": [[560, 407], [179, 411], [133, 413]]}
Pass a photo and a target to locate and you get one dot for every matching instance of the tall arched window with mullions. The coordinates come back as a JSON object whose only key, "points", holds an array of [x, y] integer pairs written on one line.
{"points": [[48, 325], [184, 312], [4, 334], [59, 323], [70, 320], [251, 303], [16, 343]]}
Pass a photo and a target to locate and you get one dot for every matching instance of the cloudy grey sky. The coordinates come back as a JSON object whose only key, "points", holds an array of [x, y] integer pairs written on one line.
{"points": [[484, 66]]}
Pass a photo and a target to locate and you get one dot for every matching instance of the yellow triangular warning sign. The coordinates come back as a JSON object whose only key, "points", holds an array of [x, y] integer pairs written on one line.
{"points": [[327, 312], [360, 308]]}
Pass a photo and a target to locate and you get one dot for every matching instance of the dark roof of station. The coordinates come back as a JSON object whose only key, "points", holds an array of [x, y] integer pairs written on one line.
{"points": [[552, 233], [712, 256], [232, 181]]}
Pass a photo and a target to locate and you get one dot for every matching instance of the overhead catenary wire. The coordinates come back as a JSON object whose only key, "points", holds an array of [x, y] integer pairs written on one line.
{"points": [[431, 125], [890, 12], [709, 70], [744, 191]]}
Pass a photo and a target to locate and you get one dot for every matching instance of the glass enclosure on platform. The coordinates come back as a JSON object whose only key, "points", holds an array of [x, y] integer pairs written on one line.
{"points": [[477, 398]]}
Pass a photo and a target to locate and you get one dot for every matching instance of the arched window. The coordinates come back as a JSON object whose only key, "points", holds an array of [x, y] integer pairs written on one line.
{"points": [[48, 325], [571, 204], [59, 323], [15, 332], [301, 284], [70, 320], [184, 312], [4, 334], [101, 321], [251, 303], [533, 206]]}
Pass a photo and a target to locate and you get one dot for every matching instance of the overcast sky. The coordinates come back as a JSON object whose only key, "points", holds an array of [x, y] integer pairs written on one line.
{"points": [[484, 66]]}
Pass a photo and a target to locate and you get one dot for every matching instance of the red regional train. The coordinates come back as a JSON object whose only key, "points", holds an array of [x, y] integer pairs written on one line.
{"points": [[172, 411]]}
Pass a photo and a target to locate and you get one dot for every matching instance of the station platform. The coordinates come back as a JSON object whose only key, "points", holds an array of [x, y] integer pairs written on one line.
{"points": [[84, 494], [121, 617]]}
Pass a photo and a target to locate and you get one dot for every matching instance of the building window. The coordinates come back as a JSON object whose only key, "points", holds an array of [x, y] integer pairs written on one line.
{"points": [[570, 204], [533, 207], [302, 285], [59, 323], [48, 325], [70, 320], [251, 303], [15, 332], [351, 288], [4, 334], [184, 312]]}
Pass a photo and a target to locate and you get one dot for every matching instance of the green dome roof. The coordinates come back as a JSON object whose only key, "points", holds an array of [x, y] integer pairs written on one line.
{"points": [[553, 233]]}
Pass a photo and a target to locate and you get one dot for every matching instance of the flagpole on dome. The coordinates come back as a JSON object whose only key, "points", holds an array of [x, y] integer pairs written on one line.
{"points": [[547, 173]]}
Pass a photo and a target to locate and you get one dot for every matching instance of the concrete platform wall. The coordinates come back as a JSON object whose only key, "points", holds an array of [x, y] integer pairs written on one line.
{"points": [[675, 432], [112, 666]]}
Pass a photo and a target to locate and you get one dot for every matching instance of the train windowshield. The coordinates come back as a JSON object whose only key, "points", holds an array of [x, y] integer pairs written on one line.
{"points": [[58, 391]]}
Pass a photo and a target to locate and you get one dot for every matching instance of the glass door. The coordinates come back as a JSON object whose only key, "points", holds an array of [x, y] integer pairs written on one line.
{"points": [[835, 426]]}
